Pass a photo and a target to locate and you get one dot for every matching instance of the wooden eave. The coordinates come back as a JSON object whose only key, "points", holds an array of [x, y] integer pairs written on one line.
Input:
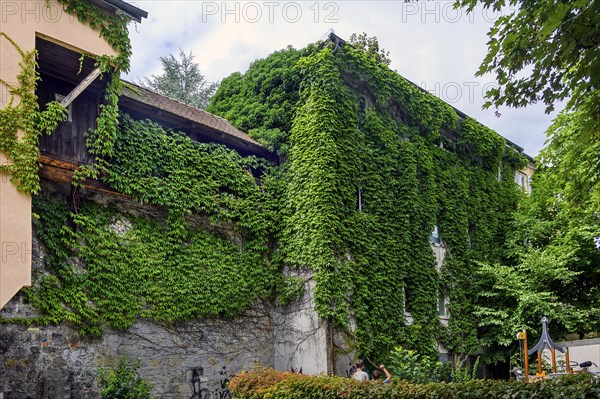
{"points": [[198, 124], [64, 64]]}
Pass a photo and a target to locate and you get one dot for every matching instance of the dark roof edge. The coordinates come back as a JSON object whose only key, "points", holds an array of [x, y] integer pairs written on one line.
{"points": [[175, 107], [131, 11], [338, 41]]}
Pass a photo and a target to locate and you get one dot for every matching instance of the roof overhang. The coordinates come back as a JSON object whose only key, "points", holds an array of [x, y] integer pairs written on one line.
{"points": [[142, 103], [120, 7]]}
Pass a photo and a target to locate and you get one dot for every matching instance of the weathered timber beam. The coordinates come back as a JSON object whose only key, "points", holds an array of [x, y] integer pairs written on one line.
{"points": [[80, 87], [45, 160], [61, 171]]}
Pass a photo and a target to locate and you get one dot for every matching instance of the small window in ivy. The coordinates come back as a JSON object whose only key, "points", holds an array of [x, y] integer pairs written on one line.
{"points": [[443, 305], [434, 237], [521, 179], [359, 199]]}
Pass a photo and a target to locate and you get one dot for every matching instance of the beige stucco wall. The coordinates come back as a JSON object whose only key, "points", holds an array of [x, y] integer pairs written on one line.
{"points": [[22, 21]]}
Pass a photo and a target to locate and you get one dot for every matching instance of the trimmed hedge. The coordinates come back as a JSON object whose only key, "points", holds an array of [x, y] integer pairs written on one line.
{"points": [[271, 384]]}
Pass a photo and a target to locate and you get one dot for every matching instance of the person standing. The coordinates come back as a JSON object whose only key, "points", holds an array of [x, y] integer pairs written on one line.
{"points": [[360, 375], [377, 374]]}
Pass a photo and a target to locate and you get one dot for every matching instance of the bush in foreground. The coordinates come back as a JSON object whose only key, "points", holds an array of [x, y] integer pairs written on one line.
{"points": [[271, 384], [122, 381]]}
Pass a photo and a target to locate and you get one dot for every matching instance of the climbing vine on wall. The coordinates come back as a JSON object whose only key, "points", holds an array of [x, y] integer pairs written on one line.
{"points": [[362, 183], [208, 257], [22, 122], [109, 269], [23, 114], [187, 177], [366, 181], [140, 271]]}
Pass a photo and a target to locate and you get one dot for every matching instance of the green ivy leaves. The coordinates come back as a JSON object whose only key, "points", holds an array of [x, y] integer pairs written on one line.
{"points": [[22, 122], [364, 181], [102, 276]]}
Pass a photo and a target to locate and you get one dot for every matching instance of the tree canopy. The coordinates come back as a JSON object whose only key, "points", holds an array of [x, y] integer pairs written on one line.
{"points": [[546, 50], [370, 46], [182, 80]]}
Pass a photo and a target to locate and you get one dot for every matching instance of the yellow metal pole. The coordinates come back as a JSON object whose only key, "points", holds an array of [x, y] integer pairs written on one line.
{"points": [[553, 360], [540, 363]]}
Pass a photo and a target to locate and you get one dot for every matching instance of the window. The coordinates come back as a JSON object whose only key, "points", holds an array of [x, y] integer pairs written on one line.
{"points": [[443, 305], [434, 237], [521, 179]]}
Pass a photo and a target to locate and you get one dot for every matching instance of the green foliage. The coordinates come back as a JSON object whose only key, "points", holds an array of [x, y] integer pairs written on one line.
{"points": [[102, 277], [463, 371], [182, 80], [370, 46], [362, 184], [480, 144], [555, 42], [269, 90], [100, 141], [122, 381], [571, 160], [22, 122], [269, 384], [552, 270], [173, 171], [162, 269], [406, 364]]}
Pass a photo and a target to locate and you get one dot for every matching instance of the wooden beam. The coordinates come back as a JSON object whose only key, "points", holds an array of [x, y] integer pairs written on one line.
{"points": [[80, 87], [61, 171], [45, 160]]}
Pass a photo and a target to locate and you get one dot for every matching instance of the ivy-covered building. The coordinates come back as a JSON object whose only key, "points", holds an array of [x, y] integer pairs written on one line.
{"points": [[377, 173], [169, 234]]}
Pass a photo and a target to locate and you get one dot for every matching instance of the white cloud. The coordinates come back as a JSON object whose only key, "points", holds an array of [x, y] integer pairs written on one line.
{"points": [[429, 42]]}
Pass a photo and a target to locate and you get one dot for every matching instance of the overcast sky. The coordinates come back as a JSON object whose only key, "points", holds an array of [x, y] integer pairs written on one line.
{"points": [[430, 43]]}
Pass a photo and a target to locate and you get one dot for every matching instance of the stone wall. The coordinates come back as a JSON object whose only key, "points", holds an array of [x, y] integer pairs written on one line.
{"points": [[300, 335], [179, 360]]}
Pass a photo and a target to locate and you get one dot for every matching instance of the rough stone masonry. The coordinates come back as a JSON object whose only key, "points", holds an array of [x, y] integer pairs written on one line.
{"points": [[180, 361]]}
